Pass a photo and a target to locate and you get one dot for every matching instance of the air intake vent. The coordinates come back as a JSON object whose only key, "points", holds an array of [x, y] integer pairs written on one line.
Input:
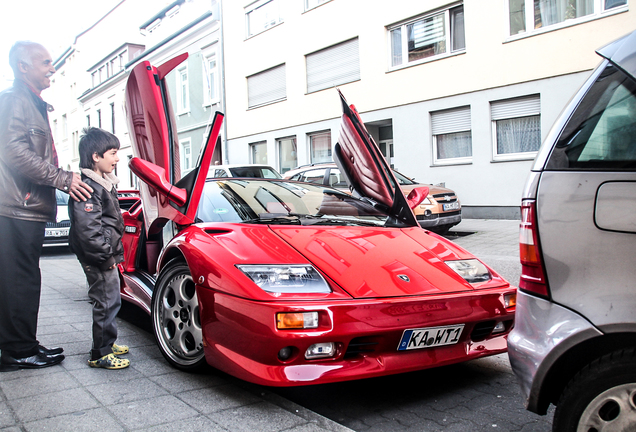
{"points": [[361, 345], [482, 330]]}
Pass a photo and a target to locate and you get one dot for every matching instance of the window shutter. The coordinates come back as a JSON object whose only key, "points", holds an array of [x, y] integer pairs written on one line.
{"points": [[333, 66], [266, 87], [511, 108], [428, 31], [451, 121]]}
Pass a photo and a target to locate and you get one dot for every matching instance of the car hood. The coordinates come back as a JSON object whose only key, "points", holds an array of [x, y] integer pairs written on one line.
{"points": [[376, 262], [432, 189]]}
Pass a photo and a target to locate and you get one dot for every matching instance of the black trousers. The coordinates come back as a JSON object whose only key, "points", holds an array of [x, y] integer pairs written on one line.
{"points": [[20, 285], [103, 290]]}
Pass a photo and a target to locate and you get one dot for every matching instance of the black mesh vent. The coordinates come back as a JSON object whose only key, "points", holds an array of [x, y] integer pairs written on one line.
{"points": [[482, 330], [63, 224], [361, 345]]}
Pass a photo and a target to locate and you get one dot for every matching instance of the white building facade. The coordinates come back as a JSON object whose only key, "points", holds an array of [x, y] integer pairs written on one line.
{"points": [[454, 92]]}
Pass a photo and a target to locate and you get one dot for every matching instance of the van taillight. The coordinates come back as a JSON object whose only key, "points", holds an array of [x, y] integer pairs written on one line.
{"points": [[533, 277]]}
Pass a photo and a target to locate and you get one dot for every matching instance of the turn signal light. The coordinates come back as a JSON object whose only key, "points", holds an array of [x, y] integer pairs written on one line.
{"points": [[510, 300], [296, 320]]}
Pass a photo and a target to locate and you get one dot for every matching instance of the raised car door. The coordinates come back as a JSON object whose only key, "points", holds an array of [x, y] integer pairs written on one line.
{"points": [[367, 172], [165, 194]]}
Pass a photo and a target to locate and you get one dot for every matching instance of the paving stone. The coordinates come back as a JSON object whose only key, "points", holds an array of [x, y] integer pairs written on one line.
{"points": [[152, 412], [128, 391], [263, 417], [218, 398], [179, 382], [43, 406], [54, 381], [6, 415], [196, 424], [80, 421]]}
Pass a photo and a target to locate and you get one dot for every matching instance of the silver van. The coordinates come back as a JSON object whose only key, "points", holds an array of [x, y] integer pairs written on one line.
{"points": [[574, 341]]}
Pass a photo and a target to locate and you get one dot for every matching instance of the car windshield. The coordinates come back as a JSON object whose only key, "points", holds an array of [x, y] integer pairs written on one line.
{"points": [[283, 202], [61, 197], [402, 179], [256, 172]]}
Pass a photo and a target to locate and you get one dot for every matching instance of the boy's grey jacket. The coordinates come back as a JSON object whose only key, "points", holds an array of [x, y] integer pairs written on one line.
{"points": [[96, 224], [28, 177]]}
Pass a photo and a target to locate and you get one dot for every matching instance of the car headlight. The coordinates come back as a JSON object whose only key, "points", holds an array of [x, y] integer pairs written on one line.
{"points": [[300, 278], [472, 270]]}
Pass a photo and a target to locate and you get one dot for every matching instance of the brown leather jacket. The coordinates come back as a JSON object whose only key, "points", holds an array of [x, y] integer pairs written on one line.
{"points": [[28, 177]]}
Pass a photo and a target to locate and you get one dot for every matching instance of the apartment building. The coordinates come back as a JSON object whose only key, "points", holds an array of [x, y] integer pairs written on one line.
{"points": [[89, 86], [454, 92]]}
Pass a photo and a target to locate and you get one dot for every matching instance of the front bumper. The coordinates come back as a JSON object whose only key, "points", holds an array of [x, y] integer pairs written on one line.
{"points": [[240, 335], [439, 219], [543, 332]]}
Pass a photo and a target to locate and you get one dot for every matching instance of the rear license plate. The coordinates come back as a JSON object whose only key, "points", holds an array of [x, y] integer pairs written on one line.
{"points": [[451, 206], [56, 232], [430, 337]]}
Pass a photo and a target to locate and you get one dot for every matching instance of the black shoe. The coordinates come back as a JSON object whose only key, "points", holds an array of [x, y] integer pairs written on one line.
{"points": [[50, 351], [36, 361]]}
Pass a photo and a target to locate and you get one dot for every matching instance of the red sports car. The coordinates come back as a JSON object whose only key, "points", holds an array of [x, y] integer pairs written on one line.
{"points": [[285, 283]]}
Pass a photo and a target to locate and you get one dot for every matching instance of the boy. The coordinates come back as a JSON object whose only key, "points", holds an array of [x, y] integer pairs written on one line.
{"points": [[95, 237]]}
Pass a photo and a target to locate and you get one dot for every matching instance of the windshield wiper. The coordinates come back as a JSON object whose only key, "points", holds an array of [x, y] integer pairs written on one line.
{"points": [[278, 218]]}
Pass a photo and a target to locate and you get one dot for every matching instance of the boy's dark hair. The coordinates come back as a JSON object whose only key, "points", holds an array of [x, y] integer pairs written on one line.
{"points": [[95, 140]]}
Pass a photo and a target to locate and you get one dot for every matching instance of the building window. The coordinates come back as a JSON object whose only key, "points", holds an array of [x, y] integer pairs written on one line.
{"points": [[64, 127], [310, 4], [262, 15], [452, 137], [320, 147], [112, 117], [516, 127], [55, 130], [428, 36], [99, 118], [267, 87], [329, 67], [88, 120], [532, 15], [94, 79], [287, 155], [211, 84], [183, 92], [186, 155], [75, 144], [258, 153]]}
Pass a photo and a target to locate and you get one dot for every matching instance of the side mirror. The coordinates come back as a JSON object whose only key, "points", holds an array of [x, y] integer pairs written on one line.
{"points": [[416, 196], [155, 176]]}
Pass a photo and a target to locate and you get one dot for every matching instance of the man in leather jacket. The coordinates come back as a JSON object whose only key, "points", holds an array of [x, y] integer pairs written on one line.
{"points": [[29, 176]]}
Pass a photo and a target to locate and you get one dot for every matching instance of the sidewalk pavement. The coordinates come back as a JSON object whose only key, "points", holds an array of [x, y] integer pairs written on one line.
{"points": [[150, 395]]}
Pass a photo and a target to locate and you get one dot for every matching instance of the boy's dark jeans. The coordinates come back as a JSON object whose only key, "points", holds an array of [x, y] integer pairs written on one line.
{"points": [[103, 290]]}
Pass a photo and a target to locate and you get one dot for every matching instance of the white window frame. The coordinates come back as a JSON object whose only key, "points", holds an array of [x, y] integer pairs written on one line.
{"points": [[262, 7], [403, 26], [310, 142], [211, 80], [183, 84], [253, 146], [508, 109], [332, 66], [450, 121], [313, 4], [279, 161], [599, 11], [186, 159], [267, 87]]}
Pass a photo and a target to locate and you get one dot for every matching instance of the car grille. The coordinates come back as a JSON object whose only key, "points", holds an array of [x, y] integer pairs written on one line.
{"points": [[445, 198], [63, 224], [482, 330], [361, 345], [436, 215]]}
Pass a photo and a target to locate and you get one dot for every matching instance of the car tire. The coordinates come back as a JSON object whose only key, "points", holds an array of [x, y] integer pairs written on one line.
{"points": [[176, 323], [601, 397]]}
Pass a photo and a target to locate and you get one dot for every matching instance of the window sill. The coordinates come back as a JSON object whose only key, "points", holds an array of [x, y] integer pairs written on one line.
{"points": [[425, 61], [567, 23], [515, 157], [452, 162], [183, 113]]}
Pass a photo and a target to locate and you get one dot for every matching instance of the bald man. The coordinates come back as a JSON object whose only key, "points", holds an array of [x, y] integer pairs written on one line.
{"points": [[29, 175]]}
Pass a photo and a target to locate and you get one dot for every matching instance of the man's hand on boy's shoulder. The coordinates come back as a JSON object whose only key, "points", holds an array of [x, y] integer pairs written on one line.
{"points": [[79, 190]]}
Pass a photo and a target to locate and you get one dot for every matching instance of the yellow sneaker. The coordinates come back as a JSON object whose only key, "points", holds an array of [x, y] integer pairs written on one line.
{"points": [[110, 361], [120, 349]]}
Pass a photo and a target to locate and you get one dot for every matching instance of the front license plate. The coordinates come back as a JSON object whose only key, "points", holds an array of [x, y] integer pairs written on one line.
{"points": [[56, 232], [451, 206], [430, 337]]}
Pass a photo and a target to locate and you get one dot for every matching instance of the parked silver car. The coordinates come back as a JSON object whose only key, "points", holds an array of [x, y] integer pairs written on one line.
{"points": [[574, 341]]}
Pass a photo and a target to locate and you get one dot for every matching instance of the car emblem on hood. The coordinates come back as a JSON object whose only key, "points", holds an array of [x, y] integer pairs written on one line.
{"points": [[405, 278]]}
